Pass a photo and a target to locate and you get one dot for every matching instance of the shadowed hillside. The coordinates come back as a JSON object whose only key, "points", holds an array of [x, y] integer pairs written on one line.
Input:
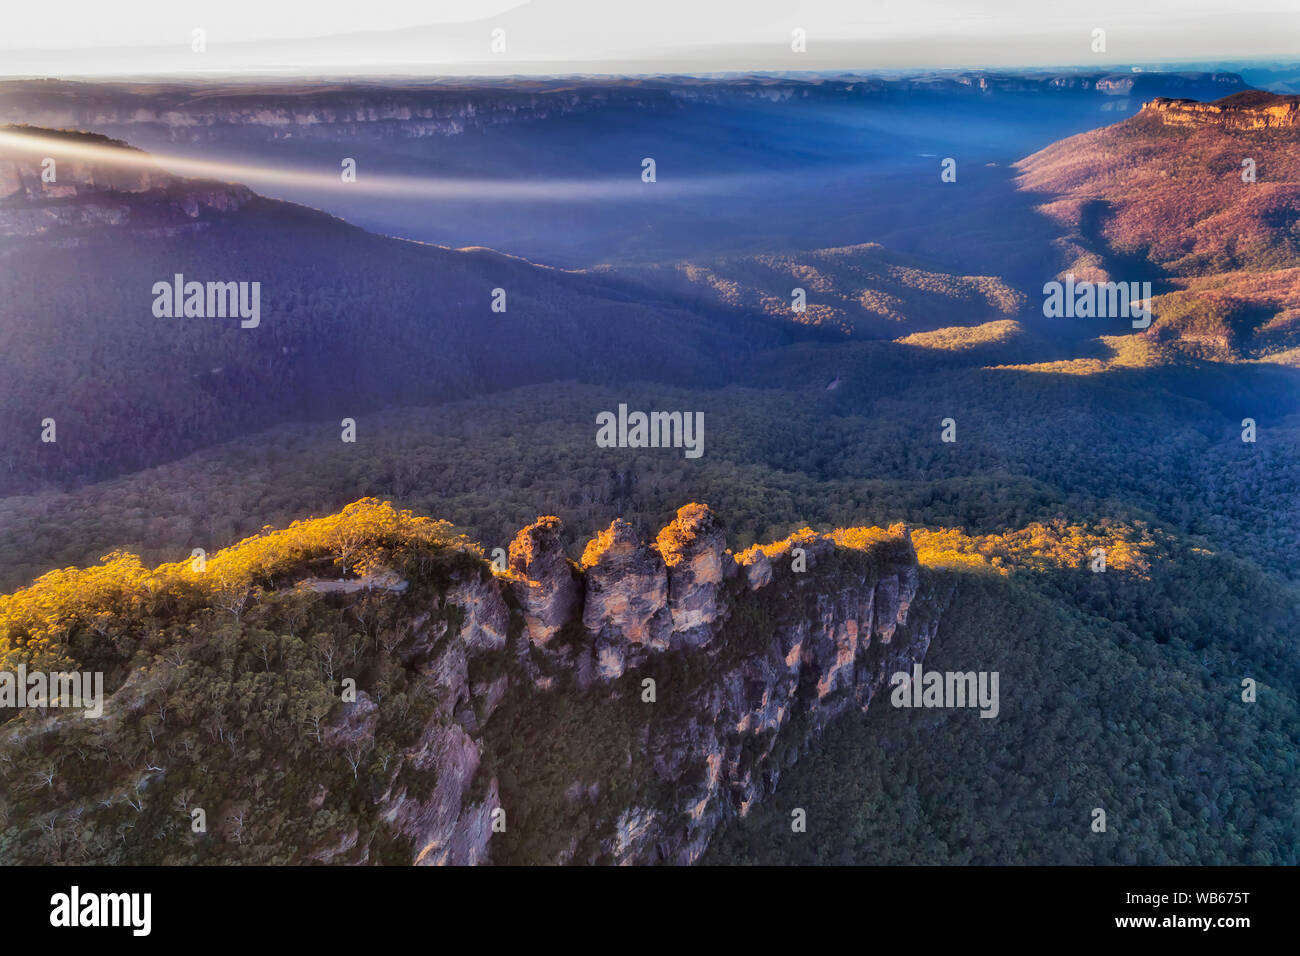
{"points": [[863, 290], [348, 321]]}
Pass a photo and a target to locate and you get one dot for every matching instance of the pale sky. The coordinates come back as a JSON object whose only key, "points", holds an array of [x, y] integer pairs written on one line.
{"points": [[140, 37]]}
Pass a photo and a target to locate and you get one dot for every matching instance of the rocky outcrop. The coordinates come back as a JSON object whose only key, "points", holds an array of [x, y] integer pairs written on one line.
{"points": [[57, 183], [438, 709], [756, 565], [428, 797], [381, 581], [543, 579], [801, 648], [1251, 110], [694, 549], [486, 618], [627, 598], [779, 642], [642, 598]]}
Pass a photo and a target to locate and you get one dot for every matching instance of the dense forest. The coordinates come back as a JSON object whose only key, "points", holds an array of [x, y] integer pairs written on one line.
{"points": [[1122, 690], [1116, 692], [349, 323], [1160, 444]]}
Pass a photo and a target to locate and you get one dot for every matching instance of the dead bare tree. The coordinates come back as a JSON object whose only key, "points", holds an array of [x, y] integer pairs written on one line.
{"points": [[354, 753], [46, 774]]}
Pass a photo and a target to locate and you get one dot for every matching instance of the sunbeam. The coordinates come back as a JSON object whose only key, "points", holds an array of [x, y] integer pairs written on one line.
{"points": [[386, 185]]}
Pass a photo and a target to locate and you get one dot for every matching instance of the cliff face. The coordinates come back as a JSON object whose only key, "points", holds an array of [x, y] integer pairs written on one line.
{"points": [[367, 688], [447, 109], [55, 184], [328, 115], [724, 675], [1252, 110]]}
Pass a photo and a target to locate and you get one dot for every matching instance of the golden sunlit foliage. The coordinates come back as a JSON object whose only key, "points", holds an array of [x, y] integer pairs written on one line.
{"points": [[802, 538], [1040, 547], [365, 537], [691, 521], [1125, 351], [863, 539], [854, 290], [960, 337]]}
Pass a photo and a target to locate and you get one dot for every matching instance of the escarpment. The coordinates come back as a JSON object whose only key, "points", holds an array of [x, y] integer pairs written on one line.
{"points": [[58, 184], [368, 688], [692, 678], [545, 583], [1248, 110]]}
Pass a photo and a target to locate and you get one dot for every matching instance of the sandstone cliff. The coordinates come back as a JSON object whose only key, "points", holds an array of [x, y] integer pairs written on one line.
{"points": [[326, 111], [1250, 110], [367, 688], [702, 677], [56, 183]]}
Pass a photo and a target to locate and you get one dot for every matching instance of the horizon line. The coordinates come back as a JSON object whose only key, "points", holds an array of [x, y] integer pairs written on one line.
{"points": [[1192, 64]]}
